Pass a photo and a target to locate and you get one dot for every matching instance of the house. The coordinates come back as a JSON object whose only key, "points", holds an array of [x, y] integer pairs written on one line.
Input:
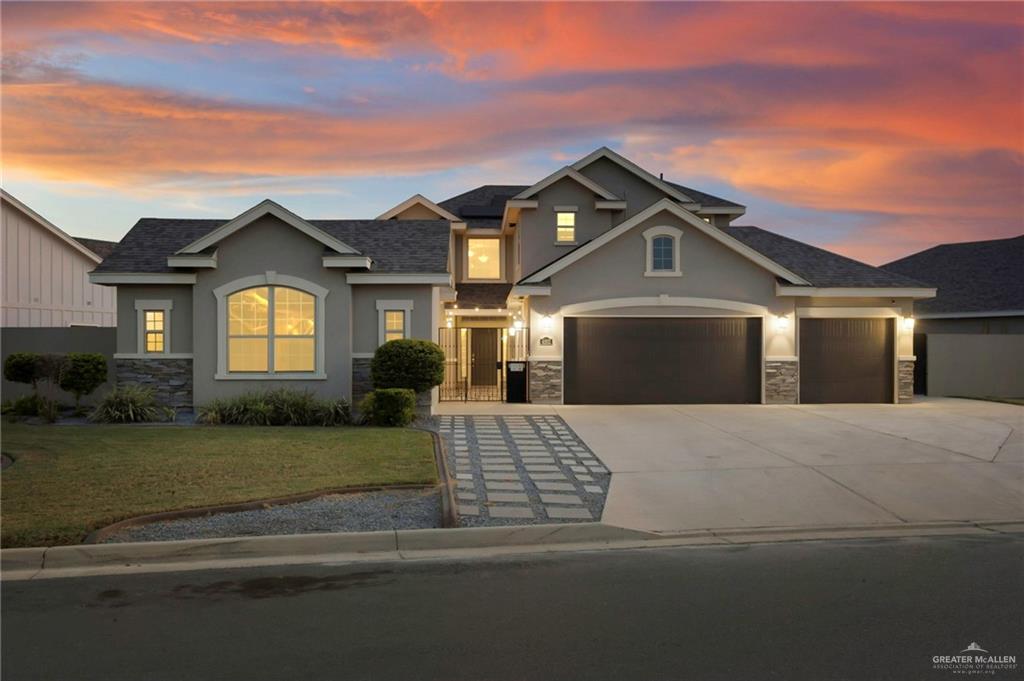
{"points": [[602, 282], [969, 339], [48, 303], [46, 273]]}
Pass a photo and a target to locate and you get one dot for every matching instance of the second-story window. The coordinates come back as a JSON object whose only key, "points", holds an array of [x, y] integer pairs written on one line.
{"points": [[483, 258], [565, 226]]}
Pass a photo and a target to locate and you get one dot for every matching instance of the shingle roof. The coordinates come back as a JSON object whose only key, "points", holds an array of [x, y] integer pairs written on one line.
{"points": [[706, 200], [483, 206], [100, 247], [419, 246], [976, 276], [822, 268], [482, 295]]}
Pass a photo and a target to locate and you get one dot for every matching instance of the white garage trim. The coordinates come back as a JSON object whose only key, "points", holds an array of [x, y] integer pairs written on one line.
{"points": [[663, 300]]}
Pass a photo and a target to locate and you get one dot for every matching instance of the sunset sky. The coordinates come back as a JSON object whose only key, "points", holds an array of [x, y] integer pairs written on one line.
{"points": [[875, 130]]}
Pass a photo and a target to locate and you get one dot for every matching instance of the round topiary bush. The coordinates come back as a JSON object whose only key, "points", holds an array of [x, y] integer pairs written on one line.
{"points": [[416, 365]]}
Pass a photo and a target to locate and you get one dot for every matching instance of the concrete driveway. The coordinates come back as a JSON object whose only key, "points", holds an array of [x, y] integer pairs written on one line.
{"points": [[677, 468]]}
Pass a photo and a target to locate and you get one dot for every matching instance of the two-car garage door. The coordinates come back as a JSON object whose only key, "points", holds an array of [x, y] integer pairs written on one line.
{"points": [[656, 360]]}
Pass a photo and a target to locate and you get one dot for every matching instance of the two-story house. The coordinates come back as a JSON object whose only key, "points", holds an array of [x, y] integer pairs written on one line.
{"points": [[610, 283]]}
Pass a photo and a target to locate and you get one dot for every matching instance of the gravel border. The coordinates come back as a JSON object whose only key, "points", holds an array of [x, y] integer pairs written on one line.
{"points": [[356, 512]]}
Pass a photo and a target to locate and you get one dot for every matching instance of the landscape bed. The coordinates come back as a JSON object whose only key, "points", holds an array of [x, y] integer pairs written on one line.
{"points": [[67, 481]]}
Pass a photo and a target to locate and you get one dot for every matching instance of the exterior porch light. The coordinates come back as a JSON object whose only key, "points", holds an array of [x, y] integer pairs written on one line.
{"points": [[448, 323], [781, 324], [517, 324], [908, 323], [547, 323], [512, 332]]}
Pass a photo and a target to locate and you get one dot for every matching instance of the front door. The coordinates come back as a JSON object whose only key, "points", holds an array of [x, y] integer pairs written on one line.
{"points": [[484, 357]]}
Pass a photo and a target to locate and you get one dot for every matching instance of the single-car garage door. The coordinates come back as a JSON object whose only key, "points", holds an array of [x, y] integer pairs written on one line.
{"points": [[846, 360], [648, 360]]}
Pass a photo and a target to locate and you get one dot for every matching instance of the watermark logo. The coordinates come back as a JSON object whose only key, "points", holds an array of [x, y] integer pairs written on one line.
{"points": [[975, 661]]}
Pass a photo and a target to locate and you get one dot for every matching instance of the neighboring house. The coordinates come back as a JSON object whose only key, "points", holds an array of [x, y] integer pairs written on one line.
{"points": [[46, 273], [969, 339], [614, 285], [48, 303]]}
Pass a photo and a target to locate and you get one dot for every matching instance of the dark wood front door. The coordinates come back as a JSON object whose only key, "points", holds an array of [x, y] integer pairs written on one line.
{"points": [[648, 360], [484, 356], [846, 360]]}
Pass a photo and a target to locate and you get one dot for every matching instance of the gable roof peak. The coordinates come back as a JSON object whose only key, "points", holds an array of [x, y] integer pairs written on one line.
{"points": [[573, 174], [418, 199], [266, 207]]}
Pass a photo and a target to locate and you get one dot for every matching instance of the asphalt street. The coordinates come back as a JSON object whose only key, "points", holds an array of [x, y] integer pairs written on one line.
{"points": [[878, 609]]}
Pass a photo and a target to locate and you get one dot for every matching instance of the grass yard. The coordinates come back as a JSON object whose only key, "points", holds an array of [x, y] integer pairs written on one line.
{"points": [[69, 480]]}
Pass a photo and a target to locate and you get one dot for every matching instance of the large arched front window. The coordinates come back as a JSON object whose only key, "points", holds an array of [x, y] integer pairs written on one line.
{"points": [[271, 329]]}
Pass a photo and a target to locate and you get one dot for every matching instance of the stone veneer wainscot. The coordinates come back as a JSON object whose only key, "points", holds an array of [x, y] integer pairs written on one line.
{"points": [[545, 381], [905, 372], [781, 382], [170, 379]]}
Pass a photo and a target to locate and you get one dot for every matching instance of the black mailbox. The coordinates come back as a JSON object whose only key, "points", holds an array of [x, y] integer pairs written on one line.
{"points": [[515, 381]]}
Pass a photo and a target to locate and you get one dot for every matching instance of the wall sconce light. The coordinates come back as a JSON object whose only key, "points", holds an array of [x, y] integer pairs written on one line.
{"points": [[449, 323], [512, 332], [547, 323], [517, 324], [908, 323], [781, 324]]}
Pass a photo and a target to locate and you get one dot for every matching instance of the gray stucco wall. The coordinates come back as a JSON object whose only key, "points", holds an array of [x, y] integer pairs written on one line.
{"points": [[366, 324], [977, 325], [537, 226], [637, 193], [270, 245], [180, 327], [976, 365], [60, 340]]}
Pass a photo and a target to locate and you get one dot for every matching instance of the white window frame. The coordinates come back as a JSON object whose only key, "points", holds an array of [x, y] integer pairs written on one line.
{"points": [[501, 257], [141, 308], [575, 213], [271, 278], [384, 306], [649, 235]]}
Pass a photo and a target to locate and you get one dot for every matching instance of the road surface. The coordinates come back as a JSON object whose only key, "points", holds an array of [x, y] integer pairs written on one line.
{"points": [[878, 609]]}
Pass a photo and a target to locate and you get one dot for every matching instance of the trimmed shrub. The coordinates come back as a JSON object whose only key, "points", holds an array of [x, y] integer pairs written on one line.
{"points": [[130, 404], [280, 407], [26, 405], [82, 373], [417, 365], [23, 367], [389, 407]]}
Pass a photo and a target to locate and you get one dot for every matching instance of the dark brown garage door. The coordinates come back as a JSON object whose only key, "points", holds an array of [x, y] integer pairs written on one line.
{"points": [[846, 360], [644, 360]]}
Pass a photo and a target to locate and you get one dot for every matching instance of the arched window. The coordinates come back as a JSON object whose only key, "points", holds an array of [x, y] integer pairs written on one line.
{"points": [[662, 246], [271, 329]]}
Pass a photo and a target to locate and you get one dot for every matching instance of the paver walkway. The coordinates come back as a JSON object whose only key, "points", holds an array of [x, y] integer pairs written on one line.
{"points": [[515, 470]]}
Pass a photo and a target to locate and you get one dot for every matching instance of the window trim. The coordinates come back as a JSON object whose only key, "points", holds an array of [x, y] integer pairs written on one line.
{"points": [[270, 278], [501, 257], [141, 308], [574, 210], [385, 306], [650, 235]]}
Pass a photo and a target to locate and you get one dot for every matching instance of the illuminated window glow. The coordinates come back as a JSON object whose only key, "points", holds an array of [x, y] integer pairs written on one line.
{"points": [[565, 227], [254, 345], [483, 257], [394, 325], [155, 336]]}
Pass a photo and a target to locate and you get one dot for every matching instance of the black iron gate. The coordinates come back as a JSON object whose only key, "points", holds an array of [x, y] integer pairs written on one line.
{"points": [[475, 361]]}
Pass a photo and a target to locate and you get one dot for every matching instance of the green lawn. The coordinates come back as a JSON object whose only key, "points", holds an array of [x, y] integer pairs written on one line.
{"points": [[69, 480]]}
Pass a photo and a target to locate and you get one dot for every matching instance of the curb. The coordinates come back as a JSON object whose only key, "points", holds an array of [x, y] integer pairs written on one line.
{"points": [[199, 554]]}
